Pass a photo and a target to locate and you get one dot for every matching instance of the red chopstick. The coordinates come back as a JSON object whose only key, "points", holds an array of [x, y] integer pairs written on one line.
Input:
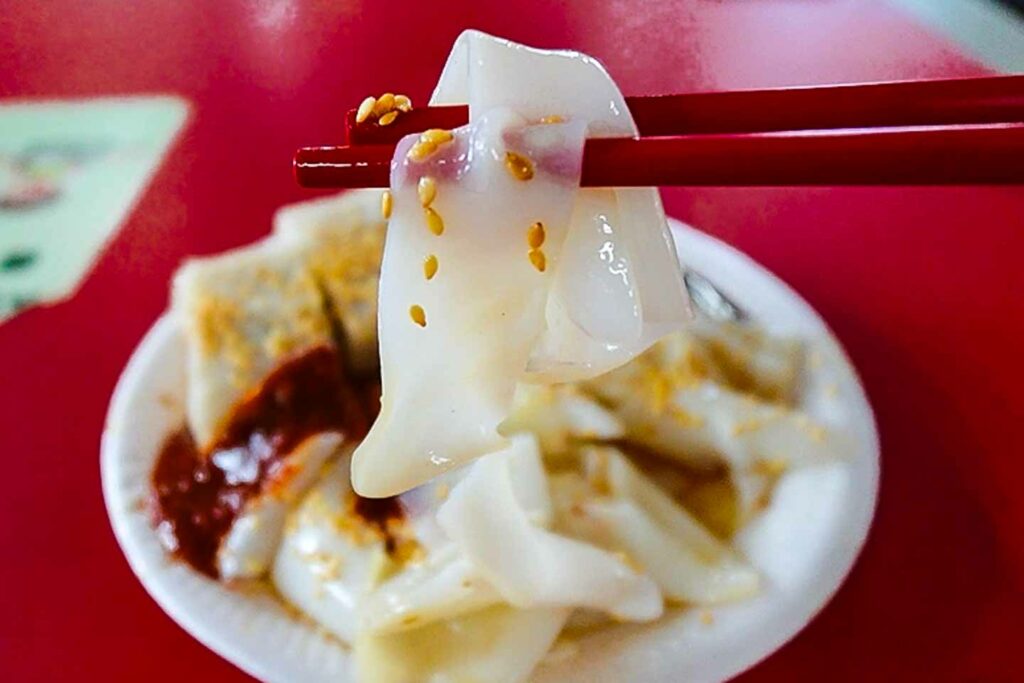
{"points": [[865, 134], [982, 154], [902, 103]]}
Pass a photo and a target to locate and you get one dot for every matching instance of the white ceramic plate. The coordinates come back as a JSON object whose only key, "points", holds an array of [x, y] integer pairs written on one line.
{"points": [[804, 545]]}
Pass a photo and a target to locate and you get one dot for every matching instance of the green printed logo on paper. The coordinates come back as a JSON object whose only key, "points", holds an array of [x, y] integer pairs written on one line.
{"points": [[69, 172]]}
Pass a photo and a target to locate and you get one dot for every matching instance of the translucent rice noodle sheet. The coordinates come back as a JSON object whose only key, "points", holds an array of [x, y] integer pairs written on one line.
{"points": [[243, 313], [632, 515], [432, 619], [500, 644], [443, 586], [502, 300], [248, 549], [498, 517], [343, 237], [560, 416], [678, 403], [329, 559]]}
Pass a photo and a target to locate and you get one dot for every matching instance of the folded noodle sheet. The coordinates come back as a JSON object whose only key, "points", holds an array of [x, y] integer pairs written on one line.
{"points": [[503, 300]]}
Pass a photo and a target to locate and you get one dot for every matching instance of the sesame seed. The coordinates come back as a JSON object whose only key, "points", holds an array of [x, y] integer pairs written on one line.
{"points": [[519, 166], [418, 315], [402, 103], [554, 118], [537, 258], [427, 190], [421, 151], [365, 109], [386, 203], [630, 562], [385, 103], [387, 119], [434, 222], [436, 136], [816, 433], [770, 467], [535, 235], [685, 418], [746, 426], [430, 267]]}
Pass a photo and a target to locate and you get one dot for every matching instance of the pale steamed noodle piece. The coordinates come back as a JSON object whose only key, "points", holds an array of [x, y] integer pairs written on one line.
{"points": [[335, 566], [502, 300], [634, 516], [244, 312], [561, 416], [679, 400], [443, 586], [500, 645], [328, 560], [343, 237], [503, 533], [448, 384], [248, 549], [618, 284], [248, 310]]}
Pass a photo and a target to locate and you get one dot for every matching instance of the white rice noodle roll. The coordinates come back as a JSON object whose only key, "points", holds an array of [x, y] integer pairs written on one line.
{"points": [[703, 424], [498, 529], [447, 583], [499, 644], [243, 313], [768, 363], [610, 288], [560, 416], [322, 570], [444, 586], [483, 311], [618, 286], [636, 517], [343, 236], [249, 546]]}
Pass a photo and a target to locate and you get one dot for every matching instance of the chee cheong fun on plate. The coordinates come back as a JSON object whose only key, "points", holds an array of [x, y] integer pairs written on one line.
{"points": [[557, 444]]}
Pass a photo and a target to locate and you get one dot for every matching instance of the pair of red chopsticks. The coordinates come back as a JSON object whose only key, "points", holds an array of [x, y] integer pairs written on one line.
{"points": [[942, 132]]}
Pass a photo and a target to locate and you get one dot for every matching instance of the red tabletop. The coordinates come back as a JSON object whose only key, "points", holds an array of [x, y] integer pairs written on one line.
{"points": [[923, 286]]}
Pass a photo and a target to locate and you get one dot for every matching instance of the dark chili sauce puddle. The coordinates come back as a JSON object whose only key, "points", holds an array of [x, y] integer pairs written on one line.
{"points": [[198, 496]]}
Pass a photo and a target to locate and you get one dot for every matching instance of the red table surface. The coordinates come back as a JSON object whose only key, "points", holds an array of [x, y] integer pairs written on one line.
{"points": [[923, 286]]}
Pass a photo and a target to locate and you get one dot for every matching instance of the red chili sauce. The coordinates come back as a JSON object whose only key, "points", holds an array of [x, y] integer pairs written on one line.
{"points": [[198, 496]]}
